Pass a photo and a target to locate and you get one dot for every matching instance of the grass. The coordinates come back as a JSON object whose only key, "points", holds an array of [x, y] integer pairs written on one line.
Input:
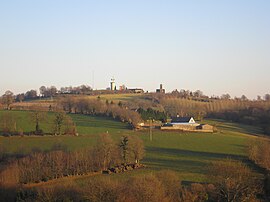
{"points": [[89, 125], [121, 97], [25, 123], [24, 145], [189, 154]]}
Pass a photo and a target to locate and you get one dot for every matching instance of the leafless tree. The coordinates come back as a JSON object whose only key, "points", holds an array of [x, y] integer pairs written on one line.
{"points": [[58, 122], [7, 99], [233, 180], [171, 183], [105, 151], [143, 188], [136, 147], [259, 152], [37, 117]]}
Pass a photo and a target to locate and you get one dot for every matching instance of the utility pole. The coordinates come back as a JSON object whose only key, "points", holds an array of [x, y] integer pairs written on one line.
{"points": [[150, 129]]}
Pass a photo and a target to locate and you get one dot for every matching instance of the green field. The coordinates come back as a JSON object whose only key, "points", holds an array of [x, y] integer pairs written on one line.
{"points": [[88, 128], [26, 124], [187, 153], [121, 97]]}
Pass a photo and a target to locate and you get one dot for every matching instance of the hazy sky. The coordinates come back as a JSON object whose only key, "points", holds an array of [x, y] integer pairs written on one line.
{"points": [[217, 46]]}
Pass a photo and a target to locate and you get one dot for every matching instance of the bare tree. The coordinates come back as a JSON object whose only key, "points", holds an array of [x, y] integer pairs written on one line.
{"points": [[37, 117], [52, 91], [225, 96], [7, 99], [198, 93], [70, 127], [43, 91], [143, 188], [32, 94], [267, 97], [58, 122], [136, 147], [233, 180], [101, 189], [259, 152], [105, 151], [20, 97], [171, 183]]}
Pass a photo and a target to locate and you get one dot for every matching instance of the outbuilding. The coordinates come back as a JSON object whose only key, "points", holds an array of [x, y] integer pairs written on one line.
{"points": [[205, 127]]}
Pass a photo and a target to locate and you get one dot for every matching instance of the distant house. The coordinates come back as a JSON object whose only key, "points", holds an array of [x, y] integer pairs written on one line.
{"points": [[183, 121], [186, 124]]}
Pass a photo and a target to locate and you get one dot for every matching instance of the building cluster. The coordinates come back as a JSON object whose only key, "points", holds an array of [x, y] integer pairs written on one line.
{"points": [[123, 88], [187, 124], [161, 89]]}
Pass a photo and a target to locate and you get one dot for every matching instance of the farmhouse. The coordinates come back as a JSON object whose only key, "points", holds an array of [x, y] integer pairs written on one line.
{"points": [[186, 124], [183, 121]]}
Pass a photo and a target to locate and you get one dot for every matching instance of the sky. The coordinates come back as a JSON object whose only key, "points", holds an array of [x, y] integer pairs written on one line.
{"points": [[215, 46]]}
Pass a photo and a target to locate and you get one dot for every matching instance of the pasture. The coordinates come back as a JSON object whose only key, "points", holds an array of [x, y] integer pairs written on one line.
{"points": [[122, 97], [187, 153]]}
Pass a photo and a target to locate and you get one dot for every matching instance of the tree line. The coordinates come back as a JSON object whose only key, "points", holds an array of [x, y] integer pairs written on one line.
{"points": [[161, 106], [44, 166], [245, 111], [44, 92], [99, 108], [183, 103], [230, 181], [53, 91], [259, 154]]}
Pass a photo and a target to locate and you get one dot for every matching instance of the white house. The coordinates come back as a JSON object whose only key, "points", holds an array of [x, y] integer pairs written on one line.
{"points": [[187, 124], [183, 121]]}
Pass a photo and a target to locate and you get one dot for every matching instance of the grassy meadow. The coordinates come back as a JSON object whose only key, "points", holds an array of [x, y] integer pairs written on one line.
{"points": [[122, 97], [187, 153]]}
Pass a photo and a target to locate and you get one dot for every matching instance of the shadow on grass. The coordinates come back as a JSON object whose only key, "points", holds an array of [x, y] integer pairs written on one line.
{"points": [[184, 160], [237, 127], [98, 122], [181, 152], [190, 166]]}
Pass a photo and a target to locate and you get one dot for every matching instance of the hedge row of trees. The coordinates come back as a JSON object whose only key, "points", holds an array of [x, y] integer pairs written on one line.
{"points": [[232, 181], [259, 153], [184, 107], [199, 95], [53, 91], [100, 108], [43, 166], [257, 116], [237, 110], [9, 97]]}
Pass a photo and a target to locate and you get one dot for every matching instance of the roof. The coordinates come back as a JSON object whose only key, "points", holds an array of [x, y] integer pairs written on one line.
{"points": [[181, 119]]}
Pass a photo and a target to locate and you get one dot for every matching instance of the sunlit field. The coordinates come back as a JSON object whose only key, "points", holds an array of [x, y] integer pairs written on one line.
{"points": [[187, 153]]}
